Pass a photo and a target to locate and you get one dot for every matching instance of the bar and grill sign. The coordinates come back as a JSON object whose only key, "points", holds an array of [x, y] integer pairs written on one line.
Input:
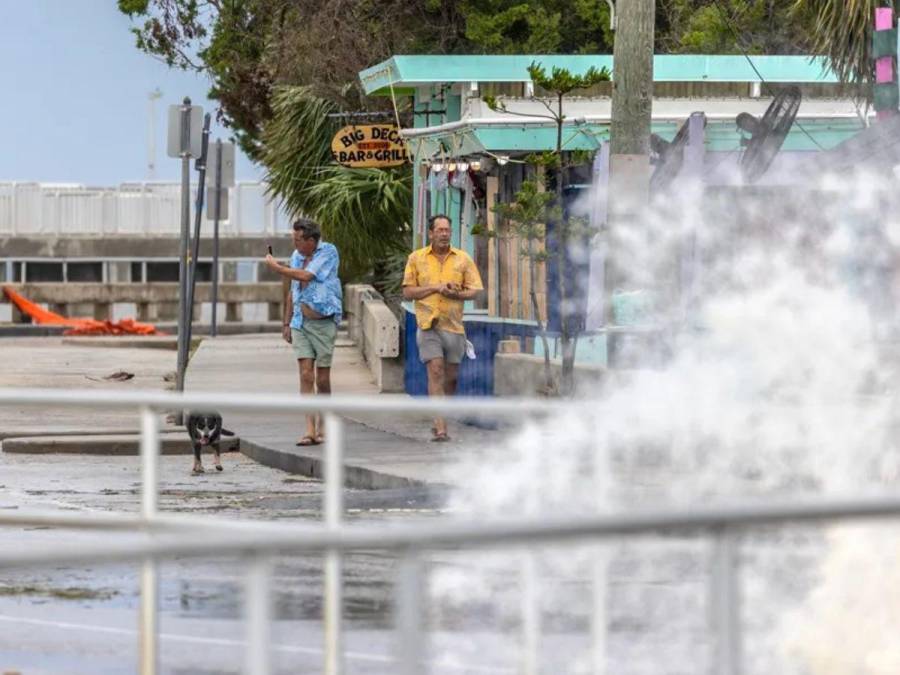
{"points": [[368, 146]]}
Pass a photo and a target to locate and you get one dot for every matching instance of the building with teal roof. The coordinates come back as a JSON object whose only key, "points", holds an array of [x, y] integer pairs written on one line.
{"points": [[468, 156]]}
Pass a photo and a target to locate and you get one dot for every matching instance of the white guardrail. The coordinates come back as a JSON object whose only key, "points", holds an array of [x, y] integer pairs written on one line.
{"points": [[137, 209], [168, 536]]}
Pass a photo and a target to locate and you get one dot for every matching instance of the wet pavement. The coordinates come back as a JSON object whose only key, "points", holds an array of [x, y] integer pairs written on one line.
{"points": [[71, 619]]}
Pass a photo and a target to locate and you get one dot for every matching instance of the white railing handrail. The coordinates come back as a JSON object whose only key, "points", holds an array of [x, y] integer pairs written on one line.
{"points": [[154, 536], [236, 538], [394, 403]]}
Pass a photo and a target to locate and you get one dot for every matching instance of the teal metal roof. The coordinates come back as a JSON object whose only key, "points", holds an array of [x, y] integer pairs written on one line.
{"points": [[406, 71]]}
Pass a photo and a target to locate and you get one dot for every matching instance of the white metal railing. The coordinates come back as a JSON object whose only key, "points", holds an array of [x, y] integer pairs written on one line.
{"points": [[257, 542], [151, 209]]}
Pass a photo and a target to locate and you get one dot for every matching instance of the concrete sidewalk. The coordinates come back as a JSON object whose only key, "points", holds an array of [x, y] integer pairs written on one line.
{"points": [[379, 452]]}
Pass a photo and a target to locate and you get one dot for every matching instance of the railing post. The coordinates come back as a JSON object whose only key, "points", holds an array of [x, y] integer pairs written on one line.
{"points": [[724, 603], [410, 642], [599, 616], [531, 615], [149, 605], [334, 515], [257, 615], [600, 562]]}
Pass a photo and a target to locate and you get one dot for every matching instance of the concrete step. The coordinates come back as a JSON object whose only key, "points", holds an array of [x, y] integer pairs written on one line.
{"points": [[176, 443]]}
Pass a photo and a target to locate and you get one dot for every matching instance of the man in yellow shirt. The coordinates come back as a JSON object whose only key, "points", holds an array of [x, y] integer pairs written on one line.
{"points": [[440, 279]]}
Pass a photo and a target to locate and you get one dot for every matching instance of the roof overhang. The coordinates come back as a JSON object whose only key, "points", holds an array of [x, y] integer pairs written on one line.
{"points": [[588, 123], [410, 71]]}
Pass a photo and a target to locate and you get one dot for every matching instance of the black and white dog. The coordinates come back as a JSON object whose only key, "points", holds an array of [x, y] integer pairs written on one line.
{"points": [[205, 429]]}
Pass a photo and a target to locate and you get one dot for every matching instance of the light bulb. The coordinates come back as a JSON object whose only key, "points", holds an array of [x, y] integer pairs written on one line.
{"points": [[475, 165], [462, 166], [451, 166], [437, 167], [502, 160]]}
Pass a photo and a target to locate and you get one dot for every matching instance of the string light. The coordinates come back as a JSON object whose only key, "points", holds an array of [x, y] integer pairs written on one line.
{"points": [[462, 166], [475, 165]]}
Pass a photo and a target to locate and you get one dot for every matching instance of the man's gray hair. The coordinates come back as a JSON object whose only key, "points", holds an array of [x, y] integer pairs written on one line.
{"points": [[309, 228]]}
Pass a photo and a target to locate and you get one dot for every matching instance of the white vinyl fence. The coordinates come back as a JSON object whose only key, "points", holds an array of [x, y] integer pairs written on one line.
{"points": [[150, 209]]}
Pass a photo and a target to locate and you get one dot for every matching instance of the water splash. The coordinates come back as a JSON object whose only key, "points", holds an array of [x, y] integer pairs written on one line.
{"points": [[780, 313]]}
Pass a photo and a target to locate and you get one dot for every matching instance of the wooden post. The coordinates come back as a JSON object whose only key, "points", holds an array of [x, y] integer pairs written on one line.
{"points": [[493, 280], [632, 101], [885, 53], [629, 180]]}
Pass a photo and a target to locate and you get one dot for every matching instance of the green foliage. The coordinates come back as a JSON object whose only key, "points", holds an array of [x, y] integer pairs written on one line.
{"points": [[250, 47], [529, 211], [364, 212], [562, 82], [843, 31], [709, 27], [536, 26]]}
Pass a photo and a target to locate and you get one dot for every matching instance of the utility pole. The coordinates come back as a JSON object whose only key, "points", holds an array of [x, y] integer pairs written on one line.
{"points": [[632, 102]]}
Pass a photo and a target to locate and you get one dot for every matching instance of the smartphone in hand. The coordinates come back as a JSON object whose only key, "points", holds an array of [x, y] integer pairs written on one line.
{"points": [[269, 248]]}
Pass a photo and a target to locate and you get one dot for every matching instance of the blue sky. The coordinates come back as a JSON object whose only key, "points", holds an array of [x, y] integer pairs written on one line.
{"points": [[75, 96]]}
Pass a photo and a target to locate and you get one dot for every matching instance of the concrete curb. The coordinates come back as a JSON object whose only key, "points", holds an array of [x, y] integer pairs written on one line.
{"points": [[306, 465], [169, 342], [124, 341], [32, 433], [97, 444]]}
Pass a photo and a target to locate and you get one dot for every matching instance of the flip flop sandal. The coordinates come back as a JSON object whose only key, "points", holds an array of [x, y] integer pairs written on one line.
{"points": [[307, 441], [441, 437]]}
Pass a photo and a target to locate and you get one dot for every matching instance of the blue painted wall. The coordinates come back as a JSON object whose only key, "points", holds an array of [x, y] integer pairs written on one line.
{"points": [[476, 378]]}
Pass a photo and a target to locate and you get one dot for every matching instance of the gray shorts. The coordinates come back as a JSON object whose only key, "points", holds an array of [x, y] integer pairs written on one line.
{"points": [[435, 343], [315, 341]]}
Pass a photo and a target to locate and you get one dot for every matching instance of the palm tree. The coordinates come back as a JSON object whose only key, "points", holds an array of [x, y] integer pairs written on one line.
{"points": [[364, 212], [843, 33]]}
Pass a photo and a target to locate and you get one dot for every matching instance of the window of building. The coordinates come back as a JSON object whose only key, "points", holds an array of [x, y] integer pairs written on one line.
{"points": [[37, 272], [162, 271], [84, 271]]}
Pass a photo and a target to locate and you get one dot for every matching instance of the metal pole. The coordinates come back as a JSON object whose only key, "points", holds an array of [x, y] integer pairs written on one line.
{"points": [[724, 603], [410, 642], [198, 219], [334, 512], [218, 213], [258, 659], [183, 250], [599, 616], [149, 603]]}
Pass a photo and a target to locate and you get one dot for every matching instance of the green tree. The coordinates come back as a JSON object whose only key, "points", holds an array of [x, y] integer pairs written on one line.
{"points": [[247, 48], [528, 214], [568, 229], [732, 26], [537, 26], [842, 31], [364, 212]]}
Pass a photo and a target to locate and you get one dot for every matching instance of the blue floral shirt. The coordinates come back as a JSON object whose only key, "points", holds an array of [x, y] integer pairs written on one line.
{"points": [[322, 294]]}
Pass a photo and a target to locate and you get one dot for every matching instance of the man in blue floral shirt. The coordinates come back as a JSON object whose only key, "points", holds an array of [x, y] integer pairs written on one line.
{"points": [[311, 318]]}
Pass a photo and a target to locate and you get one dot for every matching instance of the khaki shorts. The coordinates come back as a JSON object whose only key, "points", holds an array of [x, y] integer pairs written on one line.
{"points": [[315, 340], [435, 343]]}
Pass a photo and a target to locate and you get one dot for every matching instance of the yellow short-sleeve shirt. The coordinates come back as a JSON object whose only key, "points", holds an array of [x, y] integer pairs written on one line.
{"points": [[424, 268]]}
